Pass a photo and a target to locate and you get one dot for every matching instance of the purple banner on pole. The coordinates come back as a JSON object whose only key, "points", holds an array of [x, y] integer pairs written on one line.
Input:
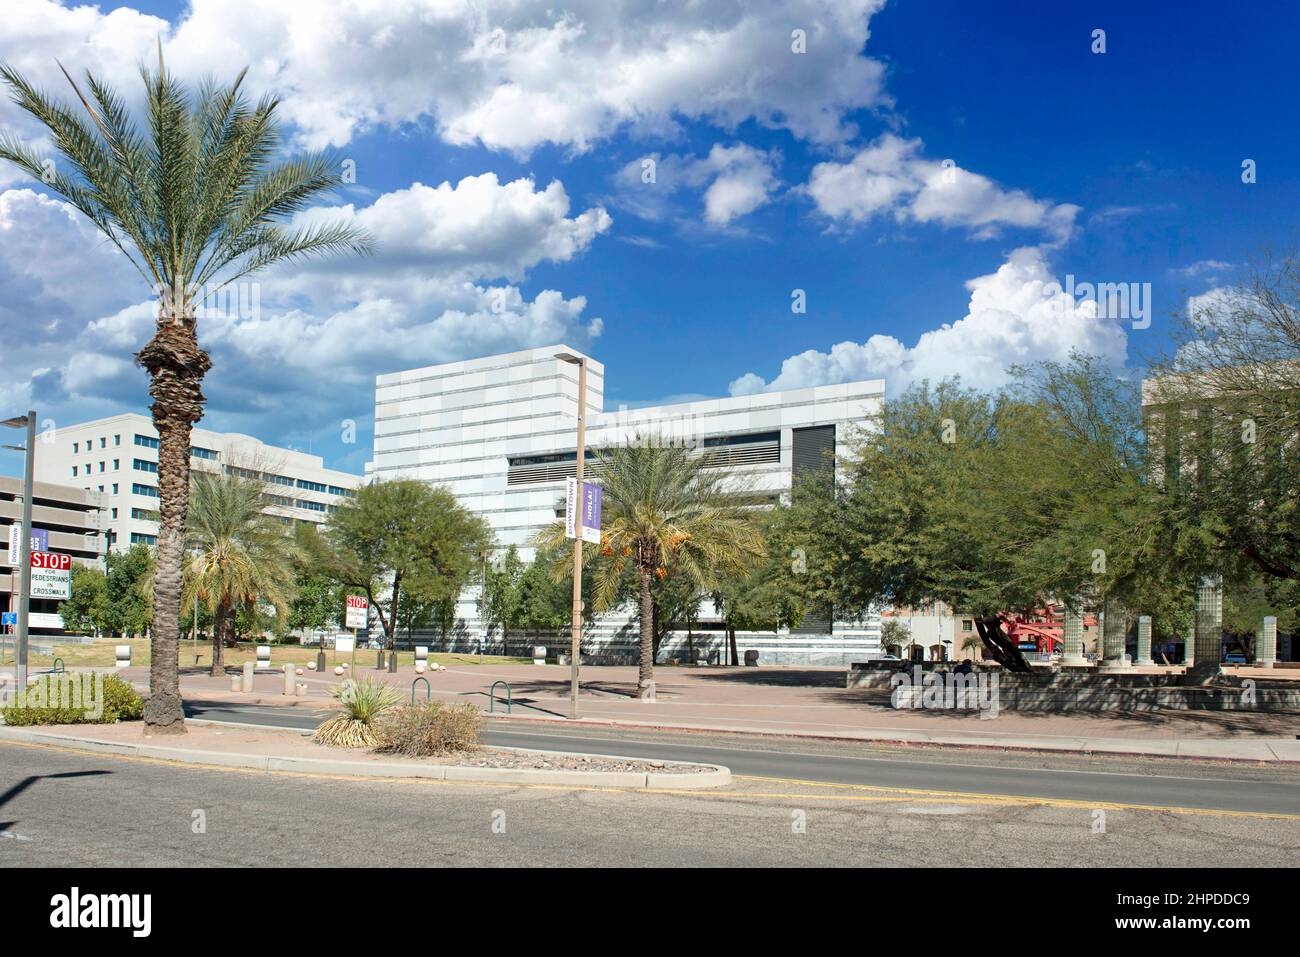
{"points": [[592, 496]]}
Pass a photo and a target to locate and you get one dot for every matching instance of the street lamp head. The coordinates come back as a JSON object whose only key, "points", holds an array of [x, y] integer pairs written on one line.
{"points": [[17, 422], [570, 358], [16, 448]]}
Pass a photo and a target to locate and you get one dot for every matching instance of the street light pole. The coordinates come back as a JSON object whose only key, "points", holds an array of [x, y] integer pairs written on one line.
{"points": [[24, 556], [581, 363]]}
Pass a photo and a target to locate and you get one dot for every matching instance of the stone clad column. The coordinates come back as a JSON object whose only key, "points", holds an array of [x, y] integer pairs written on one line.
{"points": [[1114, 627], [1209, 627], [1072, 639], [1144, 640], [1266, 650]]}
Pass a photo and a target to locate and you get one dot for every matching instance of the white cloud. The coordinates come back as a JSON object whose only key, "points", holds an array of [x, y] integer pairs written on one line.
{"points": [[479, 228], [1204, 267], [736, 180], [891, 177], [510, 75], [1016, 315]]}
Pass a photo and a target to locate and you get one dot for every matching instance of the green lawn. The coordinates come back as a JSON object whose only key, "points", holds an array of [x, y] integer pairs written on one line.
{"points": [[101, 654]]}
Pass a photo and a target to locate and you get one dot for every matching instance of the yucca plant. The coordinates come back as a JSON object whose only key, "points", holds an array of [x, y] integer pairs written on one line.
{"points": [[364, 703], [197, 201], [666, 510]]}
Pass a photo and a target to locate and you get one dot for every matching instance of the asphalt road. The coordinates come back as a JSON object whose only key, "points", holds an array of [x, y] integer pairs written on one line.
{"points": [[1156, 782], [67, 809]]}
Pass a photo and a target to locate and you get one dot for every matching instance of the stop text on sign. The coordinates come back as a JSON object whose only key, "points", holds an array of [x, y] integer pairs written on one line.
{"points": [[52, 560]]}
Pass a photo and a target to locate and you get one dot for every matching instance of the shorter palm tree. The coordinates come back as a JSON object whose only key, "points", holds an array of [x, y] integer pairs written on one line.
{"points": [[240, 555], [666, 510]]}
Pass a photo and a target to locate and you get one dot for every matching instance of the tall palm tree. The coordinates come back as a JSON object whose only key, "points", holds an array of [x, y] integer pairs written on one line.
{"points": [[240, 555], [665, 510], [196, 202]]}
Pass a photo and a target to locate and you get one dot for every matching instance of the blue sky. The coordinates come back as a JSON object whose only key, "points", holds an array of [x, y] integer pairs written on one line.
{"points": [[922, 172]]}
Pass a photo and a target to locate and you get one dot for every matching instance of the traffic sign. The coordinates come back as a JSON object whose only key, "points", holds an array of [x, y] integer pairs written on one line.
{"points": [[51, 575], [358, 612], [8, 618]]}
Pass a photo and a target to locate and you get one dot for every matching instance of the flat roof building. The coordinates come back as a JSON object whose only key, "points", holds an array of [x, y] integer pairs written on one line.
{"points": [[118, 458], [74, 520], [500, 433]]}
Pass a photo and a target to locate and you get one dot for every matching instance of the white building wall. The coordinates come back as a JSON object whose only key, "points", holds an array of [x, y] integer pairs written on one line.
{"points": [[460, 423], [105, 453]]}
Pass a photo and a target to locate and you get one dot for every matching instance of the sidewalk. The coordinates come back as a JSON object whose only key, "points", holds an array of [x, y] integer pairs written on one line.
{"points": [[800, 702]]}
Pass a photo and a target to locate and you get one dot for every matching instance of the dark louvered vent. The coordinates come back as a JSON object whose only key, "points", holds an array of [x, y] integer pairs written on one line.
{"points": [[813, 451]]}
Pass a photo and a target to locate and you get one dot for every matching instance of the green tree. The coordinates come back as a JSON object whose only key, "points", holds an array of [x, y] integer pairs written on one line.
{"points": [[758, 599], [199, 200], [664, 510], [240, 556], [502, 595], [1224, 415], [546, 600], [404, 537], [87, 610], [995, 504], [126, 589]]}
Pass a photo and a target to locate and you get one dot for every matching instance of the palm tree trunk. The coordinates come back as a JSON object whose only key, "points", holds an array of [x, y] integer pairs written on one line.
{"points": [[645, 680], [219, 640], [176, 366]]}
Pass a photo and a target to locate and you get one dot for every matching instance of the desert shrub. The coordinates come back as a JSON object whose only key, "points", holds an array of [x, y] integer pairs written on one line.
{"points": [[430, 728], [364, 702], [49, 700]]}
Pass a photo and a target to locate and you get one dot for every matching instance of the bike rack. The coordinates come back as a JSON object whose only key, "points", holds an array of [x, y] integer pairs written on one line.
{"points": [[492, 697], [58, 667], [427, 692]]}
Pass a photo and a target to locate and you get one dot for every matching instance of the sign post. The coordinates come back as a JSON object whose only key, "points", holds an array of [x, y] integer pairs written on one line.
{"points": [[357, 616], [575, 524]]}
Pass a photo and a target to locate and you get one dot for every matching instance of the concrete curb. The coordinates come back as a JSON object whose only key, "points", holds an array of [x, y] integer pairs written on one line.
{"points": [[719, 776]]}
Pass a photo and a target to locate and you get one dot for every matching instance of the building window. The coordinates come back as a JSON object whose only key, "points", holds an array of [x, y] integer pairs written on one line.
{"points": [[311, 486], [147, 490], [114, 511], [139, 538], [145, 442], [145, 515], [74, 471], [314, 506], [345, 492], [101, 466], [281, 480], [76, 447], [117, 463], [117, 440], [114, 488], [103, 442], [141, 465], [199, 453]]}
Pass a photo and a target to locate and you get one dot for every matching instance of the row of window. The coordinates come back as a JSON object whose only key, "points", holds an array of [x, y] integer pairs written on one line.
{"points": [[90, 443]]}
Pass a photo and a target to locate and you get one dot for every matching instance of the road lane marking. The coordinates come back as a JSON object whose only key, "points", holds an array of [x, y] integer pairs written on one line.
{"points": [[876, 795]]}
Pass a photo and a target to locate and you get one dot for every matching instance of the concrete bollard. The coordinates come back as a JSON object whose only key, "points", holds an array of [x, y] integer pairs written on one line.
{"points": [[647, 693], [234, 682], [302, 689], [246, 685], [123, 653], [290, 681]]}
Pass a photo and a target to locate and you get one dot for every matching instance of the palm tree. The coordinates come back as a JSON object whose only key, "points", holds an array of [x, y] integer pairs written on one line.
{"points": [[665, 511], [196, 202], [240, 555]]}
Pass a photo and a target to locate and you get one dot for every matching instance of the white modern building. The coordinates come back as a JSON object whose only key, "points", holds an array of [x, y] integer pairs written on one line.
{"points": [[500, 433], [118, 457]]}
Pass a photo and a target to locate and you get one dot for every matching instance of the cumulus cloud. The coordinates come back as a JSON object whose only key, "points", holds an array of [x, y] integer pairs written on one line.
{"points": [[510, 75], [890, 177], [1017, 314], [304, 344], [735, 180]]}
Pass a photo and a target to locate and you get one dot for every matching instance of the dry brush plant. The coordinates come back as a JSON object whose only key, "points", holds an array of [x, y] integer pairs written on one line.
{"points": [[430, 728], [364, 704]]}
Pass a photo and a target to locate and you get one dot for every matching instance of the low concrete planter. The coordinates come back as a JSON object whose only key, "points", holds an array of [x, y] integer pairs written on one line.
{"points": [[716, 776]]}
